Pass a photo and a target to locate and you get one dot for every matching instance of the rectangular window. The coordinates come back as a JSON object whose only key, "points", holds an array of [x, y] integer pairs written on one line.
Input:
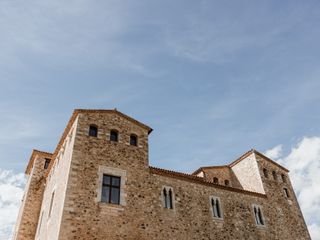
{"points": [[111, 189], [46, 163]]}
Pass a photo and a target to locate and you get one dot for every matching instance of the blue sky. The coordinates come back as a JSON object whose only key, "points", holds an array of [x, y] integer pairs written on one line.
{"points": [[212, 78]]}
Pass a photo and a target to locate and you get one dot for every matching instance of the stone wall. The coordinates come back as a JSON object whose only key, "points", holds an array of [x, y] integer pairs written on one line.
{"points": [[143, 215], [78, 213], [31, 203]]}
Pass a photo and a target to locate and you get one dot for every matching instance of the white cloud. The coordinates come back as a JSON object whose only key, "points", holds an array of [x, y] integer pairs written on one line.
{"points": [[274, 153], [303, 161], [11, 192]]}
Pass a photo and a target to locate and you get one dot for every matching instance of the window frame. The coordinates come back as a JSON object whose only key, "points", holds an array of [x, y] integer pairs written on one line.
{"points": [[167, 196], [93, 127], [136, 140], [275, 175], [260, 216], [111, 187], [123, 188], [219, 209], [111, 134], [286, 193], [46, 163]]}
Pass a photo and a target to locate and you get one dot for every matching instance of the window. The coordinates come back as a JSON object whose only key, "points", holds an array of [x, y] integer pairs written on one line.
{"points": [[216, 207], [286, 193], [226, 182], [133, 140], [46, 163], [258, 215], [274, 174], [51, 204], [215, 180], [168, 197], [93, 131], [111, 189], [113, 136], [283, 178], [265, 173]]}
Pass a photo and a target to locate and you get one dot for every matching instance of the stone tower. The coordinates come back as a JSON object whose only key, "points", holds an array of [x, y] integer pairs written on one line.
{"points": [[99, 185]]}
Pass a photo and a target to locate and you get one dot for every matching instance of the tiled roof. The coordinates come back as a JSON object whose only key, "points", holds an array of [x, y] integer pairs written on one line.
{"points": [[245, 155], [199, 180]]}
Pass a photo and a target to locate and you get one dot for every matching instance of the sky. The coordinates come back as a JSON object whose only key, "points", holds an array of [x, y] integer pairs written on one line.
{"points": [[214, 79]]}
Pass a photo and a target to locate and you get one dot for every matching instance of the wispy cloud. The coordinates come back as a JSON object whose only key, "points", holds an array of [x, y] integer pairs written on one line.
{"points": [[303, 161], [11, 191], [274, 153]]}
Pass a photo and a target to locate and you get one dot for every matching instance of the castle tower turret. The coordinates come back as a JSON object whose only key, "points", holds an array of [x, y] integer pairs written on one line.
{"points": [[27, 221]]}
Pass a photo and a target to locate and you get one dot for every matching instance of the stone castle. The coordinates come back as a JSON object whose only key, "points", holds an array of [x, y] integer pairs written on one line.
{"points": [[98, 184]]}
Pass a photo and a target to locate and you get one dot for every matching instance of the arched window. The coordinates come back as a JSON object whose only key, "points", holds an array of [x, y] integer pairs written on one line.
{"points": [[226, 182], [168, 198], [133, 140], [114, 136], [258, 215], [216, 208], [265, 173], [274, 174], [93, 131], [215, 180], [165, 198], [284, 179]]}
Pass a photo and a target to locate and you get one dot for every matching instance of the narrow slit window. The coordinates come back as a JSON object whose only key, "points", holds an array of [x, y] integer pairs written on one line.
{"points": [[51, 204], [93, 131], [111, 189], [265, 173], [133, 140], [113, 136]]}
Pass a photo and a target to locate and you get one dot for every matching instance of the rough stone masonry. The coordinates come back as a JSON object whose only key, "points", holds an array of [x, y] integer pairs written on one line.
{"points": [[98, 184]]}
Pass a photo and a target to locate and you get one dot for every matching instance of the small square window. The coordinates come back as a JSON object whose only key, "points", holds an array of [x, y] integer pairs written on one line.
{"points": [[286, 193], [114, 136], [93, 131], [133, 140]]}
